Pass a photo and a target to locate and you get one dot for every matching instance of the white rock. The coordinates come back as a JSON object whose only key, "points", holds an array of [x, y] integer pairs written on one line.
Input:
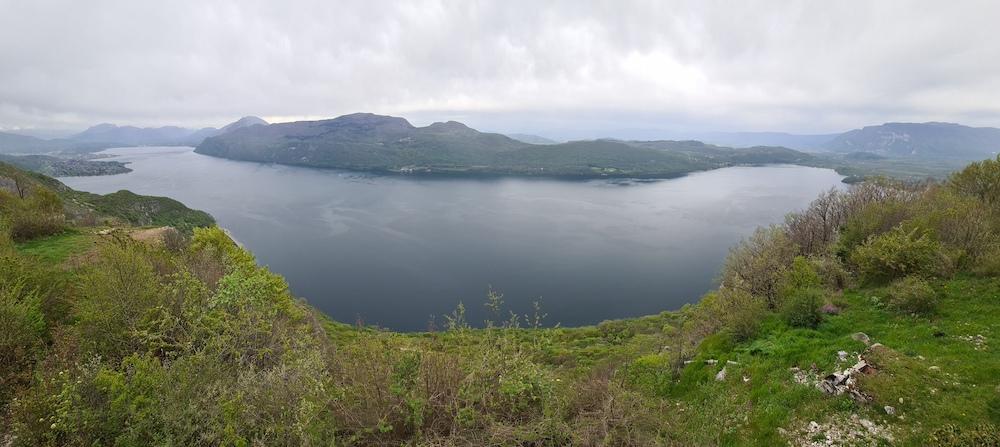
{"points": [[891, 411], [721, 376]]}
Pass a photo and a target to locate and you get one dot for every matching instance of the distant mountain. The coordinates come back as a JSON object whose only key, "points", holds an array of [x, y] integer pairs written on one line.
{"points": [[22, 144], [13, 143], [359, 141], [369, 142], [246, 121], [751, 139], [157, 136], [923, 140], [531, 139]]}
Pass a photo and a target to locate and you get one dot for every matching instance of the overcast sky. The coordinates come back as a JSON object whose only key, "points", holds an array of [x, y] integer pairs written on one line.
{"points": [[575, 68]]}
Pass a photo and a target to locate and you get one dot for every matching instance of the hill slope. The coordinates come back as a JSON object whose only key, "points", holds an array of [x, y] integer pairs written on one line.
{"points": [[389, 144], [870, 318], [120, 208]]}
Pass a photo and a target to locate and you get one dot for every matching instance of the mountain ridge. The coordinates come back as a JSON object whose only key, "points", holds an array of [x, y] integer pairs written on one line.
{"points": [[371, 142], [928, 140]]}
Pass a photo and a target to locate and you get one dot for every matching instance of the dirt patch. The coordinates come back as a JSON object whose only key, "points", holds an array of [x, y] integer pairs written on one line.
{"points": [[152, 235]]}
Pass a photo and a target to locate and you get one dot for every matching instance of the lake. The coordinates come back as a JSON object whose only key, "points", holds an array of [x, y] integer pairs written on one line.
{"points": [[400, 252]]}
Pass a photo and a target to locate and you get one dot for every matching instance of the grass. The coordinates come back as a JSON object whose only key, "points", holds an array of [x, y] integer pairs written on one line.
{"points": [[759, 396], [963, 391], [56, 249]]}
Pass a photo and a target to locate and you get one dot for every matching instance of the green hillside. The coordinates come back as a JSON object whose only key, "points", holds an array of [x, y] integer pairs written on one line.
{"points": [[368, 142], [869, 318]]}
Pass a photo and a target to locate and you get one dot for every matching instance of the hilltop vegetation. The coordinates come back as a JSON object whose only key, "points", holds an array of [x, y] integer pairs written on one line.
{"points": [[35, 205], [112, 341]]}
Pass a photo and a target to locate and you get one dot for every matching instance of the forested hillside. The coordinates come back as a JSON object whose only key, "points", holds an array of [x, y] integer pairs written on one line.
{"points": [[368, 142], [869, 318]]}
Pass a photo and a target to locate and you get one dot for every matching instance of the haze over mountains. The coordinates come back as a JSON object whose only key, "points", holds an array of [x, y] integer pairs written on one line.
{"points": [[108, 135], [163, 136]]}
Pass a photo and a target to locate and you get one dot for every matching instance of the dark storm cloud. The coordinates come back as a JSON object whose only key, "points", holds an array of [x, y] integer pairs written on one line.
{"points": [[576, 67]]}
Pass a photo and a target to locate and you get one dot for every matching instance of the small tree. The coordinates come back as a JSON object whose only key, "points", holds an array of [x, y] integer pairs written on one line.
{"points": [[802, 308], [913, 295], [980, 179], [758, 263], [899, 253]]}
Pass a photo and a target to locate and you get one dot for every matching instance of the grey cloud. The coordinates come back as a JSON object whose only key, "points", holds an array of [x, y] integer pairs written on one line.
{"points": [[581, 68]]}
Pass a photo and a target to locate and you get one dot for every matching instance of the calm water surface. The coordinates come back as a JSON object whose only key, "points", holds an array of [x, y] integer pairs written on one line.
{"points": [[398, 251]]}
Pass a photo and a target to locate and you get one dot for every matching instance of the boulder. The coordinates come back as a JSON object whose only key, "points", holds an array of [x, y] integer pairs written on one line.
{"points": [[721, 376]]}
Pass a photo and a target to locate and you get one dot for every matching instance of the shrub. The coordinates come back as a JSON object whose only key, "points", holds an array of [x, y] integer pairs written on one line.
{"points": [[815, 228], [173, 240], [740, 313], [22, 331], [802, 308], [959, 222], [38, 214], [872, 220], [912, 295], [757, 264], [980, 180], [115, 295], [899, 253], [214, 242], [831, 272], [989, 262], [800, 275]]}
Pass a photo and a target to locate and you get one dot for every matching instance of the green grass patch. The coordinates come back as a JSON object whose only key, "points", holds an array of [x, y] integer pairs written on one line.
{"points": [[56, 249]]}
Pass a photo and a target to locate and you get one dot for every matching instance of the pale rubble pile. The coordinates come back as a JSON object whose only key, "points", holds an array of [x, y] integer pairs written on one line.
{"points": [[842, 381], [845, 382], [838, 430]]}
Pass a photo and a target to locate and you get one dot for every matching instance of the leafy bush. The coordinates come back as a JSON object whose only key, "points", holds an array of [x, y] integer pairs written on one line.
{"points": [[740, 313], [980, 180], [900, 253], [757, 264], [912, 295], [38, 214], [802, 308], [115, 296], [800, 275], [989, 262], [22, 332], [959, 222], [831, 272], [872, 220]]}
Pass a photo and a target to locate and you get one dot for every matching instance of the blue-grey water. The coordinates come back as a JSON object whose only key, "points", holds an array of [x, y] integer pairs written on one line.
{"points": [[399, 251]]}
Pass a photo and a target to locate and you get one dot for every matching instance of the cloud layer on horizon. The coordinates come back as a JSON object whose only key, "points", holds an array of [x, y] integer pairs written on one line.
{"points": [[572, 68]]}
